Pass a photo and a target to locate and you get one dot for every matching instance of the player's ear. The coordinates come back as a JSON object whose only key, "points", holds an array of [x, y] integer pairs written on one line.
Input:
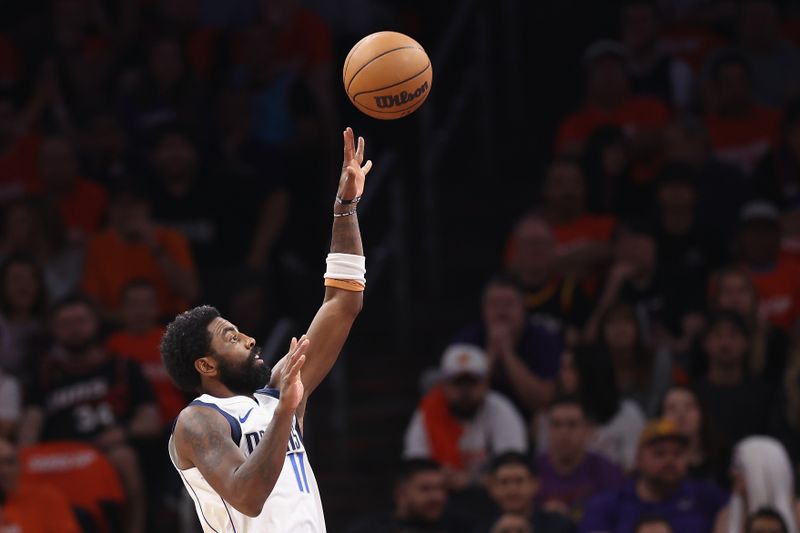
{"points": [[206, 366]]}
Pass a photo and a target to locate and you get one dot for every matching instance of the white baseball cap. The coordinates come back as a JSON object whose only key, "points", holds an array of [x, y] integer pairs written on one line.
{"points": [[464, 359]]}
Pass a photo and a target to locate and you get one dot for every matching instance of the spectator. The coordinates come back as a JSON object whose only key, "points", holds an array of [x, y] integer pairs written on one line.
{"points": [[187, 201], [762, 477], [687, 250], [741, 131], [732, 289], [609, 102], [551, 300], [775, 276], [139, 341], [106, 151], [80, 202], [569, 473], [706, 456], [653, 525], [34, 228], [686, 142], [582, 238], [642, 374], [652, 72], [420, 501], [461, 423], [523, 355], [30, 507], [774, 61], [23, 300], [610, 188], [660, 487], [135, 248], [513, 485], [82, 393], [766, 520], [634, 278], [735, 401], [615, 423], [18, 150]]}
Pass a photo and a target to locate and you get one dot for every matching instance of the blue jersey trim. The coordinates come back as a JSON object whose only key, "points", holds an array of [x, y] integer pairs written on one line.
{"points": [[236, 429], [275, 393]]}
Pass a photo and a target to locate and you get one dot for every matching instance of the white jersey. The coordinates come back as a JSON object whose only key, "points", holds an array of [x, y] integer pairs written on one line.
{"points": [[294, 504]]}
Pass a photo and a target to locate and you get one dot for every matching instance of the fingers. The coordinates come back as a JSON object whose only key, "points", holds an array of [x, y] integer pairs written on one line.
{"points": [[295, 366], [349, 151], [367, 167], [360, 150]]}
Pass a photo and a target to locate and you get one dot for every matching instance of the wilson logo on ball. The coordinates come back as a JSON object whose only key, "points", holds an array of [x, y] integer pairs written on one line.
{"points": [[396, 100]]}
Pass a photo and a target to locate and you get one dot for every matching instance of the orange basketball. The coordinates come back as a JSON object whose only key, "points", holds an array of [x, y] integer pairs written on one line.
{"points": [[387, 75]]}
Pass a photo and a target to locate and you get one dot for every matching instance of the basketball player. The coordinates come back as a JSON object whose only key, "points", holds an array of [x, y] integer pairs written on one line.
{"points": [[239, 446]]}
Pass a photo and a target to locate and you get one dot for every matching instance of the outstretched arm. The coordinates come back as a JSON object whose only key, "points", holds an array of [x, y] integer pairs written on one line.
{"points": [[203, 439], [339, 309]]}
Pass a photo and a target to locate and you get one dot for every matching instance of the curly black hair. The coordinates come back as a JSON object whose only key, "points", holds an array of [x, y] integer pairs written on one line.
{"points": [[187, 339]]}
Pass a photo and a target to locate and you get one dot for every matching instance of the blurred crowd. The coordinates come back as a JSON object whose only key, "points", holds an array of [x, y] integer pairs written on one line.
{"points": [[635, 367]]}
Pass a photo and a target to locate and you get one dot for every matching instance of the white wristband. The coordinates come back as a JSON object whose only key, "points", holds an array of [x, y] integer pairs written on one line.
{"points": [[346, 266]]}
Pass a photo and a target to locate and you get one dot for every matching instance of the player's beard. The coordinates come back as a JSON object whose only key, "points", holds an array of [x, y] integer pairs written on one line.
{"points": [[244, 378]]}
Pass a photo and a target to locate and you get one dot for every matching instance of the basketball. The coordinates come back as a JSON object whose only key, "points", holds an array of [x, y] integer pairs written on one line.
{"points": [[387, 75]]}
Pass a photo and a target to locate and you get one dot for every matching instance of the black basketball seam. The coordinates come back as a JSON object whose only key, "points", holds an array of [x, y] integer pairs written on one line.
{"points": [[349, 57], [394, 84], [406, 110], [376, 57]]}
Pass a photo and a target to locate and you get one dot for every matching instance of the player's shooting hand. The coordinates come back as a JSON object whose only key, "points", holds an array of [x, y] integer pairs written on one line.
{"points": [[291, 386], [351, 182]]}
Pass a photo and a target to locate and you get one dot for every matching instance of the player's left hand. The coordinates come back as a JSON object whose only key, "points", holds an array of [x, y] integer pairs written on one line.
{"points": [[351, 181]]}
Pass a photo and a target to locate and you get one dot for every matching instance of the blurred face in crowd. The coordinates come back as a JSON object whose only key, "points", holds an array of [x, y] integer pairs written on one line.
{"points": [[534, 248], [248, 307], [465, 394], [140, 307], [654, 527], [75, 328], [760, 242], [726, 345], [513, 488], [759, 24], [637, 249], [737, 294], [616, 158], [766, 524], [620, 330], [9, 467], [130, 217], [663, 464], [166, 63], [682, 145], [639, 26], [278, 13], [680, 406], [176, 159], [422, 497], [608, 81], [58, 165], [568, 432], [734, 92], [564, 191], [21, 286], [568, 373], [676, 202], [503, 304]]}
